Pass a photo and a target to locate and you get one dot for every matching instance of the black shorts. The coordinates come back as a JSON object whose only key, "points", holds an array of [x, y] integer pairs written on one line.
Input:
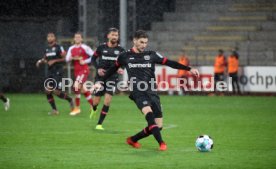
{"points": [[109, 85], [143, 99], [54, 79], [219, 77]]}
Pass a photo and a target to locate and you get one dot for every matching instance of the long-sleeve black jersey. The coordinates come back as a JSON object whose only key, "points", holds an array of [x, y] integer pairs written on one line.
{"points": [[105, 57], [54, 52], [141, 67]]}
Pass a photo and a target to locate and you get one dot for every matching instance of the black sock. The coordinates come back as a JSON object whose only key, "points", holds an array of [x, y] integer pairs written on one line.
{"points": [[51, 101], [103, 114], [142, 134], [3, 98], [95, 107], [153, 127], [66, 97]]}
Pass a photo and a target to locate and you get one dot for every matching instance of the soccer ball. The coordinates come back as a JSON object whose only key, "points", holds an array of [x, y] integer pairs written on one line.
{"points": [[204, 143]]}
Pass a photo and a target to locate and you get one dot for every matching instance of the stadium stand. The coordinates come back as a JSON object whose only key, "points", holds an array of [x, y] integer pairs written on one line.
{"points": [[202, 27]]}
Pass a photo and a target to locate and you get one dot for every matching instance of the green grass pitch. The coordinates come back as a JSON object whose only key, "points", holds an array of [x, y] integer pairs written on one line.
{"points": [[243, 129]]}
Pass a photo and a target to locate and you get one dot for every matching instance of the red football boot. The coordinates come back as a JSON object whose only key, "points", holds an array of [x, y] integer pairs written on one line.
{"points": [[163, 146], [132, 143]]}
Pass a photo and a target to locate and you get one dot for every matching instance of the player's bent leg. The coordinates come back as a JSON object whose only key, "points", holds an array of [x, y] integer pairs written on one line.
{"points": [[88, 97], [107, 99], [158, 117], [96, 101], [153, 127], [6, 101], [159, 122], [77, 92], [105, 109], [63, 95], [146, 110], [133, 140], [140, 135], [52, 103]]}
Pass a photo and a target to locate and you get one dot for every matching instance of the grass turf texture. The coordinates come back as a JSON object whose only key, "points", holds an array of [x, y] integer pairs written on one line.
{"points": [[243, 129]]}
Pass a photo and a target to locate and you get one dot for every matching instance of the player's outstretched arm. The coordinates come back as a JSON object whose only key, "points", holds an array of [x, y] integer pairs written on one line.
{"points": [[176, 65], [51, 62]]}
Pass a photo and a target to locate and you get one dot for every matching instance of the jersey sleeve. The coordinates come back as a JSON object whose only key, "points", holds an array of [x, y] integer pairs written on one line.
{"points": [[89, 51], [68, 57], [120, 62], [158, 58], [97, 53]]}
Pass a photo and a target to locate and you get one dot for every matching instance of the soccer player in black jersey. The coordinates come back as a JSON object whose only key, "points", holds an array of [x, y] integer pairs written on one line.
{"points": [[103, 58], [140, 66], [54, 57], [6, 101]]}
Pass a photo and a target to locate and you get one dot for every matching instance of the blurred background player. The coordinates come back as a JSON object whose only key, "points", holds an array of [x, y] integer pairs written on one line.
{"points": [[6, 101], [219, 69], [104, 58], [81, 55], [140, 65], [183, 74], [54, 57], [233, 68]]}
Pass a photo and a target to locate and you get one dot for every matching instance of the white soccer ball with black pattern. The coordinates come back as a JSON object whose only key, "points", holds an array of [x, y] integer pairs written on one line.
{"points": [[204, 143]]}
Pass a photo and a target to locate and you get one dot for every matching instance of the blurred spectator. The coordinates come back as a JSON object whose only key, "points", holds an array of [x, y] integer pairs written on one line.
{"points": [[233, 67], [219, 68], [183, 74]]}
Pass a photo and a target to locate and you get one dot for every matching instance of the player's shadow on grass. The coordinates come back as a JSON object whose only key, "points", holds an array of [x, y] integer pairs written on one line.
{"points": [[110, 131], [146, 152]]}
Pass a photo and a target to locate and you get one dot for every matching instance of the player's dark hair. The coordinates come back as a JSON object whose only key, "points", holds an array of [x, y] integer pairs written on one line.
{"points": [[140, 34], [112, 30], [51, 33]]}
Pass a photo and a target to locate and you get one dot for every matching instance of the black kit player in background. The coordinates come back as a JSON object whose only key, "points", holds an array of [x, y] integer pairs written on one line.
{"points": [[105, 57], [54, 57], [140, 66], [6, 101]]}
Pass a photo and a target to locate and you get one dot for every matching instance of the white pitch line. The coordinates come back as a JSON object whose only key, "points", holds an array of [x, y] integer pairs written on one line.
{"points": [[167, 126], [170, 126]]}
